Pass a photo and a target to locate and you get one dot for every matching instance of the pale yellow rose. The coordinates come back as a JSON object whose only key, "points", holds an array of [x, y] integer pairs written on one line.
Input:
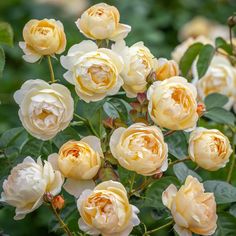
{"points": [[140, 148], [138, 63], [101, 21], [26, 185], [45, 109], [179, 51], [42, 37], [106, 210], [79, 162], [209, 148], [219, 78], [94, 72], [165, 69], [173, 104], [193, 210]]}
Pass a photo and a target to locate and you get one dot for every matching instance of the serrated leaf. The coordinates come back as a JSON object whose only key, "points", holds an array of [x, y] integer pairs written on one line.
{"points": [[189, 57], [154, 192], [177, 144], [182, 171], [6, 33], [205, 56], [221, 43], [223, 191], [215, 100], [220, 115], [2, 61]]}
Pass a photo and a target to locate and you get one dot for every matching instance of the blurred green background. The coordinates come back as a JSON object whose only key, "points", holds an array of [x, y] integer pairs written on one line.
{"points": [[155, 22]]}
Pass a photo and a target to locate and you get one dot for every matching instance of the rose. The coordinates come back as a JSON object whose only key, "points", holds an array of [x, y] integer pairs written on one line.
{"points": [[209, 148], [42, 37], [93, 71], [101, 21], [79, 162], [193, 210], [172, 104], [106, 210], [138, 63], [140, 148], [165, 69], [28, 182], [179, 51], [45, 109], [220, 78]]}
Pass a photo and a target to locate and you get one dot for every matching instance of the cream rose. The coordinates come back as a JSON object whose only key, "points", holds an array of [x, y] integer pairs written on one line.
{"points": [[165, 69], [209, 148], [140, 148], [106, 210], [193, 210], [94, 72], [25, 186], [45, 109], [79, 162], [220, 78], [101, 21], [42, 37], [172, 104], [138, 63], [183, 47]]}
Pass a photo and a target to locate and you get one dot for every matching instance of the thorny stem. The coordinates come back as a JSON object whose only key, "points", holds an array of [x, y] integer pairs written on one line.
{"points": [[51, 70], [159, 228], [178, 161], [61, 222]]}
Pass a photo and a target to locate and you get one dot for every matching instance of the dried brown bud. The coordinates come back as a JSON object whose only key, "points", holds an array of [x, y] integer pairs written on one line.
{"points": [[58, 202], [158, 175], [47, 197], [231, 21], [108, 123]]}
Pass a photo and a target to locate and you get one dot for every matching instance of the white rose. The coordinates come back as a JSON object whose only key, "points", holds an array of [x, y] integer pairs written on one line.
{"points": [[138, 63], [173, 104], [45, 109], [93, 71], [28, 182], [219, 78], [140, 148]]}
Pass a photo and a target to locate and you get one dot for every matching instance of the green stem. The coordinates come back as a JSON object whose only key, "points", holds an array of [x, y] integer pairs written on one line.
{"points": [[178, 161], [51, 70], [169, 132], [81, 118], [159, 228], [132, 182], [61, 222]]}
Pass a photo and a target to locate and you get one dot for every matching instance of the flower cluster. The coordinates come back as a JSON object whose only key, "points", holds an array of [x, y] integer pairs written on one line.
{"points": [[98, 68]]}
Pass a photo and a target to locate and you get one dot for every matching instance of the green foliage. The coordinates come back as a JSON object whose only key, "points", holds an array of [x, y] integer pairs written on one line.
{"points": [[2, 61], [215, 100], [221, 43], [226, 225], [6, 34]]}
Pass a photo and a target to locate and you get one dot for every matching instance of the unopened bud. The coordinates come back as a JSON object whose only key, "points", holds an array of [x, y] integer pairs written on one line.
{"points": [[201, 109], [142, 98], [158, 175], [136, 106], [231, 21], [108, 123], [47, 197], [58, 202]]}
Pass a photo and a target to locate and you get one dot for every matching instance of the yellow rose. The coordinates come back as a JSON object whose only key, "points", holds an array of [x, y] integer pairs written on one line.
{"points": [[182, 48], [79, 162], [220, 78], [193, 210], [45, 109], [101, 21], [28, 182], [165, 69], [209, 148], [138, 63], [42, 37], [172, 104], [94, 72], [140, 148], [106, 210]]}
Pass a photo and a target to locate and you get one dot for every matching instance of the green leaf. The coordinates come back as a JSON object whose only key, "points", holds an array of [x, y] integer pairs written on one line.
{"points": [[226, 225], [215, 100], [189, 57], [232, 210], [6, 33], [2, 61], [177, 144], [221, 43], [154, 192], [205, 56], [220, 115], [223, 191], [182, 171]]}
